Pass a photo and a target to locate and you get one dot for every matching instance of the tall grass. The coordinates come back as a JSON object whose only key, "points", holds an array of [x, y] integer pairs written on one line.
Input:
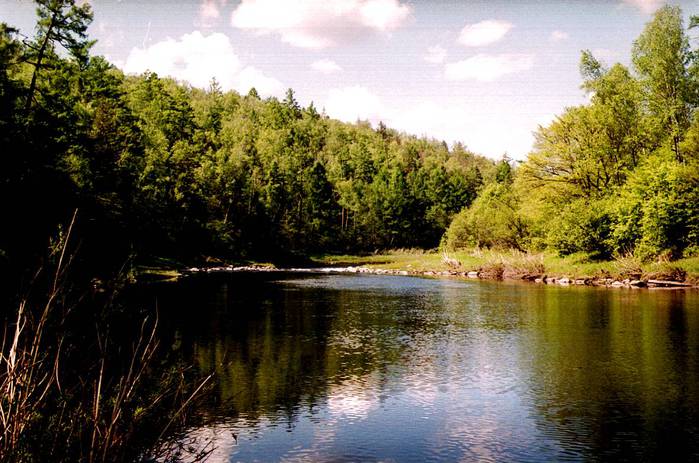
{"points": [[76, 385]]}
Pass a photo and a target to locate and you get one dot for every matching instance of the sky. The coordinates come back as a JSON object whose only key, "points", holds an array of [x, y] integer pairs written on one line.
{"points": [[485, 73]]}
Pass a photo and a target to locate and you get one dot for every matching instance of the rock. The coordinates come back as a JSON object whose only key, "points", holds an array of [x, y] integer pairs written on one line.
{"points": [[451, 262], [472, 274], [550, 280], [637, 283], [538, 280], [580, 281], [403, 272], [669, 284], [617, 284], [564, 281]]}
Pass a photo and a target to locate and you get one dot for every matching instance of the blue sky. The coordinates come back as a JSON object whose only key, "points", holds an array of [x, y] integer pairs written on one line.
{"points": [[485, 73]]}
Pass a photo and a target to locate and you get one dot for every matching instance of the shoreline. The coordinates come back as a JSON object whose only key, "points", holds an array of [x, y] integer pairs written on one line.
{"points": [[467, 275]]}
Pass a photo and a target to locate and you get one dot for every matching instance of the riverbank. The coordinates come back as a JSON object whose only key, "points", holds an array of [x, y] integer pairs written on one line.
{"points": [[493, 265], [515, 265]]}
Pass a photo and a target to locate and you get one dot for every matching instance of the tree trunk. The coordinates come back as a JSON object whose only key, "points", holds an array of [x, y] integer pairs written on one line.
{"points": [[39, 58]]}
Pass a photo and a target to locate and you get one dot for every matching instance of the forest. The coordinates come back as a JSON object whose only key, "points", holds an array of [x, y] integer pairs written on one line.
{"points": [[104, 171], [158, 168]]}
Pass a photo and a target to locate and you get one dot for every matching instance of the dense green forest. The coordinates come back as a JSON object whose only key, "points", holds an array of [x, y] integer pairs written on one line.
{"points": [[617, 176], [102, 170], [156, 167]]}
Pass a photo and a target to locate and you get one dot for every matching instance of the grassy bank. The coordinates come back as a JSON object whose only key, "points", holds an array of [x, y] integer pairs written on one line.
{"points": [[517, 265]]}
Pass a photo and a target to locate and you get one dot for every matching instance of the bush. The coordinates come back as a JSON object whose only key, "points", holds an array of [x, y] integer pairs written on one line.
{"points": [[582, 226], [657, 210], [492, 221]]}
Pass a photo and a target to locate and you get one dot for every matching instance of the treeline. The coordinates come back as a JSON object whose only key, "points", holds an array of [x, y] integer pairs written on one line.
{"points": [[160, 168], [616, 176]]}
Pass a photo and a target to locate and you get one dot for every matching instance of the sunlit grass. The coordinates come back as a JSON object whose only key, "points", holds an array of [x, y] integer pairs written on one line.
{"points": [[519, 263]]}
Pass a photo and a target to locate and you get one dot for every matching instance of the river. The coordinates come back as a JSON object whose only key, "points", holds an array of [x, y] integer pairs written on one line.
{"points": [[340, 368]]}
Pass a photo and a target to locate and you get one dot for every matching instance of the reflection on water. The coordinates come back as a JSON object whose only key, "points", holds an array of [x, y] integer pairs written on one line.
{"points": [[378, 368]]}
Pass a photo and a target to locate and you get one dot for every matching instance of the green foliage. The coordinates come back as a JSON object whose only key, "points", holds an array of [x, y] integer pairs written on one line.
{"points": [[619, 174], [662, 57], [493, 221], [581, 226], [657, 210], [157, 167]]}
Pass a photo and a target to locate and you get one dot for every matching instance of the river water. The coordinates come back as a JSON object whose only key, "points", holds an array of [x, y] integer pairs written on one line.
{"points": [[340, 368]]}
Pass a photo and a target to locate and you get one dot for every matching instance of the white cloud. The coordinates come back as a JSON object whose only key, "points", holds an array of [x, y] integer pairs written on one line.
{"points": [[435, 55], [557, 36], [325, 66], [383, 15], [646, 6], [484, 32], [480, 131], [250, 77], [352, 103], [196, 59], [319, 24], [486, 68]]}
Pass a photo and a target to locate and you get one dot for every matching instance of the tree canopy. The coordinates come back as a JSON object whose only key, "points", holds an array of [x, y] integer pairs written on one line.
{"points": [[157, 167], [615, 176]]}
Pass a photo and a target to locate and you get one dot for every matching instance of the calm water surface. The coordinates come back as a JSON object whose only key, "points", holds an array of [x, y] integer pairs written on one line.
{"points": [[338, 368]]}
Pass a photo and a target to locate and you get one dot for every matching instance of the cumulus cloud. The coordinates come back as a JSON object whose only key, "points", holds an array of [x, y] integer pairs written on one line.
{"points": [[318, 24], [479, 131], [250, 77], [435, 55], [196, 59], [487, 68], [557, 36], [484, 32], [325, 66], [352, 103], [646, 6]]}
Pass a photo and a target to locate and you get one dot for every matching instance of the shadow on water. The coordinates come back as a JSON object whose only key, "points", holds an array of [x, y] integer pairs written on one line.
{"points": [[371, 368]]}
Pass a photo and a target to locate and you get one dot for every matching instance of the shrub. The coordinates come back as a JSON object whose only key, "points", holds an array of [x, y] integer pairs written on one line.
{"points": [[493, 220], [581, 226], [657, 210]]}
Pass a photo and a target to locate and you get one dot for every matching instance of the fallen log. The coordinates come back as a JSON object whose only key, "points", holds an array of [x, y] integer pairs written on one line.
{"points": [[668, 284]]}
